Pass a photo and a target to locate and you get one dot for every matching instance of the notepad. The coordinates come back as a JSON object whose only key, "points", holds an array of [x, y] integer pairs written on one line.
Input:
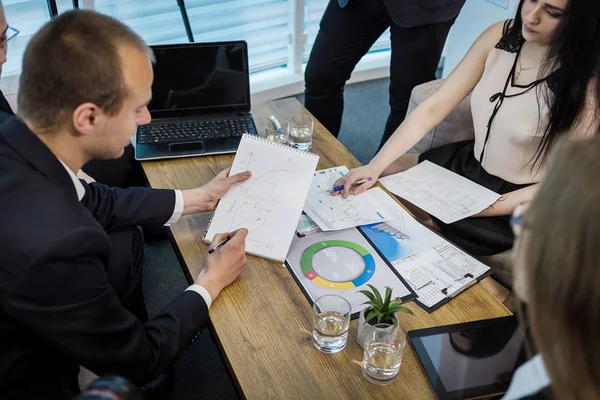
{"points": [[270, 202]]}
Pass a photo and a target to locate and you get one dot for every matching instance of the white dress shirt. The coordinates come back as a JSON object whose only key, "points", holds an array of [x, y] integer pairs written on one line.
{"points": [[177, 211]]}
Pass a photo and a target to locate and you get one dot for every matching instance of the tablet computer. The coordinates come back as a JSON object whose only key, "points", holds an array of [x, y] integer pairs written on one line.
{"points": [[470, 360]]}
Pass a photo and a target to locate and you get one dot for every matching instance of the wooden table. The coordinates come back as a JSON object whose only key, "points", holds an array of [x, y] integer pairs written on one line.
{"points": [[263, 322]]}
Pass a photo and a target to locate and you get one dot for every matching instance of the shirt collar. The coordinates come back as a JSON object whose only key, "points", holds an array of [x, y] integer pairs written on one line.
{"points": [[76, 182], [529, 379]]}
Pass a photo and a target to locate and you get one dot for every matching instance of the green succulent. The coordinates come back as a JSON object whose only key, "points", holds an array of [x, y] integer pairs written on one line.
{"points": [[383, 309]]}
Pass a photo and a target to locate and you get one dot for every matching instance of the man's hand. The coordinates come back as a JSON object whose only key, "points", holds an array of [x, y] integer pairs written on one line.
{"points": [[224, 265], [205, 198]]}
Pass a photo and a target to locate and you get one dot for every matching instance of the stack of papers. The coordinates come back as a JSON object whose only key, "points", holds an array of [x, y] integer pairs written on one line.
{"points": [[434, 269]]}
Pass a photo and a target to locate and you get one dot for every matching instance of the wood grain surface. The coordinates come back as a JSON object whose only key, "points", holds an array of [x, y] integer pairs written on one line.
{"points": [[263, 322]]}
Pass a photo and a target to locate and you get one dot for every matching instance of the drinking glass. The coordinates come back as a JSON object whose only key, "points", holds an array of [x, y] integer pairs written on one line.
{"points": [[384, 347], [331, 319], [300, 131], [273, 135]]}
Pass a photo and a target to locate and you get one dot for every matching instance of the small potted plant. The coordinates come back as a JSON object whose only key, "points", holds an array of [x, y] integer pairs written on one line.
{"points": [[379, 310]]}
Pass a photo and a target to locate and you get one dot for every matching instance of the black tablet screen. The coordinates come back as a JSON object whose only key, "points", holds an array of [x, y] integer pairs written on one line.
{"points": [[469, 360]]}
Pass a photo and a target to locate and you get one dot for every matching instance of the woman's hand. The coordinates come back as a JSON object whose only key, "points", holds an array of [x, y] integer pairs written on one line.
{"points": [[356, 174]]}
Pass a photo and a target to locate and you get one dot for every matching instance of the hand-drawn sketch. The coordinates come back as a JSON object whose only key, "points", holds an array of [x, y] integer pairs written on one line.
{"points": [[258, 197], [270, 202]]}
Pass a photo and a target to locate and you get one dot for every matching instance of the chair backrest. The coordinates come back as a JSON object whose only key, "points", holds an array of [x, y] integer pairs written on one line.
{"points": [[457, 126]]}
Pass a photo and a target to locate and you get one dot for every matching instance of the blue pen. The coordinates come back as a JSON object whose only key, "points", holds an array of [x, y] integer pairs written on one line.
{"points": [[355, 184], [277, 124]]}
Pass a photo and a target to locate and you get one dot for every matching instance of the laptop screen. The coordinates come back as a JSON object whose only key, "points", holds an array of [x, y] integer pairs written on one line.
{"points": [[200, 78]]}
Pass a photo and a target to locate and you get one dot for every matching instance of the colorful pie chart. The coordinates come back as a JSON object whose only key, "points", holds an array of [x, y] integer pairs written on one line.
{"points": [[356, 251]]}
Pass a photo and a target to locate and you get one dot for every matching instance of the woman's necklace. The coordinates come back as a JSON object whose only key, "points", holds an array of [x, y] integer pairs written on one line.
{"points": [[521, 69]]}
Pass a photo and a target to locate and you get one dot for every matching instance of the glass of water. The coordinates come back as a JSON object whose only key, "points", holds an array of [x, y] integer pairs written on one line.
{"points": [[273, 135], [300, 131], [331, 319], [384, 347]]}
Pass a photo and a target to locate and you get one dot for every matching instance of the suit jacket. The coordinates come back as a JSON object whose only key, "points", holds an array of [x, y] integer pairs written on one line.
{"points": [[413, 13], [57, 308], [5, 109]]}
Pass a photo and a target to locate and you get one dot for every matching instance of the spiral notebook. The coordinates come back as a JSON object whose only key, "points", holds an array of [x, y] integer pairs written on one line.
{"points": [[268, 204]]}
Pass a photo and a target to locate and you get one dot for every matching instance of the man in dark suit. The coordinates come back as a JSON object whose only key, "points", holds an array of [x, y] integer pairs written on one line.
{"points": [[66, 298], [124, 171], [347, 31], [6, 34]]}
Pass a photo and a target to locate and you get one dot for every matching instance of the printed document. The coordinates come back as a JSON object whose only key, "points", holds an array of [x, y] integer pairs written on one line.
{"points": [[442, 193], [334, 213]]}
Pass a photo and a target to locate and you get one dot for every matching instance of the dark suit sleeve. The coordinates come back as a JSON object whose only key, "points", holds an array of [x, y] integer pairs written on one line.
{"points": [[66, 300], [116, 208]]}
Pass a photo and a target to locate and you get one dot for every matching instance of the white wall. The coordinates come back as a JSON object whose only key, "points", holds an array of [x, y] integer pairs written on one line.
{"points": [[475, 17]]}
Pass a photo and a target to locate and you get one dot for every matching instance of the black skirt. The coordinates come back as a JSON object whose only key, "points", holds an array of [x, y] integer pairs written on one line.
{"points": [[478, 236]]}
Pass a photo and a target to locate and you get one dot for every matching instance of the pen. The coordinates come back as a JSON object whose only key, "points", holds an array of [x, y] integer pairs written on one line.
{"points": [[219, 245], [357, 183], [427, 284], [277, 124]]}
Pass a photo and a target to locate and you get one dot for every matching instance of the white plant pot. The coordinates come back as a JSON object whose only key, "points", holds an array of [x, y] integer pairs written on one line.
{"points": [[365, 329]]}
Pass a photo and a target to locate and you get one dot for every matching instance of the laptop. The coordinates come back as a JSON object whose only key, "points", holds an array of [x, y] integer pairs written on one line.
{"points": [[200, 101]]}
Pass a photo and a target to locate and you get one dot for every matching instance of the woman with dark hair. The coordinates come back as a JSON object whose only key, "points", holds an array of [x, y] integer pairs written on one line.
{"points": [[557, 277], [532, 78]]}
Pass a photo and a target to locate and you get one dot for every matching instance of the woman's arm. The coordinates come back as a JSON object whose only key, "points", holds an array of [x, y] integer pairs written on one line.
{"points": [[507, 202], [459, 84], [430, 112]]}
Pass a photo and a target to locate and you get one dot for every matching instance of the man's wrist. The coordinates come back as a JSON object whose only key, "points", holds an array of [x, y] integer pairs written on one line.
{"points": [[202, 291], [209, 285], [193, 201]]}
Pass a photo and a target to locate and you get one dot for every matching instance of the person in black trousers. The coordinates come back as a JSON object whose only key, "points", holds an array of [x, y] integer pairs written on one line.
{"points": [[347, 31]]}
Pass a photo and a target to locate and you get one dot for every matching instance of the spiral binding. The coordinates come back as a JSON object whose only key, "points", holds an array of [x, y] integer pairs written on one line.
{"points": [[257, 138]]}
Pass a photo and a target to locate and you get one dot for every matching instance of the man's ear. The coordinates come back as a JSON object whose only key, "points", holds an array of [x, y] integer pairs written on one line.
{"points": [[86, 118]]}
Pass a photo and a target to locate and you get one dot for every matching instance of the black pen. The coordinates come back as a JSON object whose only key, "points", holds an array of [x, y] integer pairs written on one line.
{"points": [[221, 244]]}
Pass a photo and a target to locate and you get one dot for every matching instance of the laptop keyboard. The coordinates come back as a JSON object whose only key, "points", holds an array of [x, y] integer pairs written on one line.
{"points": [[182, 131]]}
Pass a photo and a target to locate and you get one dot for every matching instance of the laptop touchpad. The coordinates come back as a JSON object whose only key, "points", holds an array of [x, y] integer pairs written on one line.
{"points": [[182, 148]]}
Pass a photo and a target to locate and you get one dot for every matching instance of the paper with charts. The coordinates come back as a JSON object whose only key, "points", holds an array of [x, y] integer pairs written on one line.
{"points": [[402, 236], [270, 202], [433, 268], [440, 273], [333, 213], [342, 263], [442, 193]]}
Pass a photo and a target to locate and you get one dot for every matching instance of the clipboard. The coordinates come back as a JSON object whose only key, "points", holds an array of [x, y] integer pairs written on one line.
{"points": [[453, 295], [448, 297]]}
